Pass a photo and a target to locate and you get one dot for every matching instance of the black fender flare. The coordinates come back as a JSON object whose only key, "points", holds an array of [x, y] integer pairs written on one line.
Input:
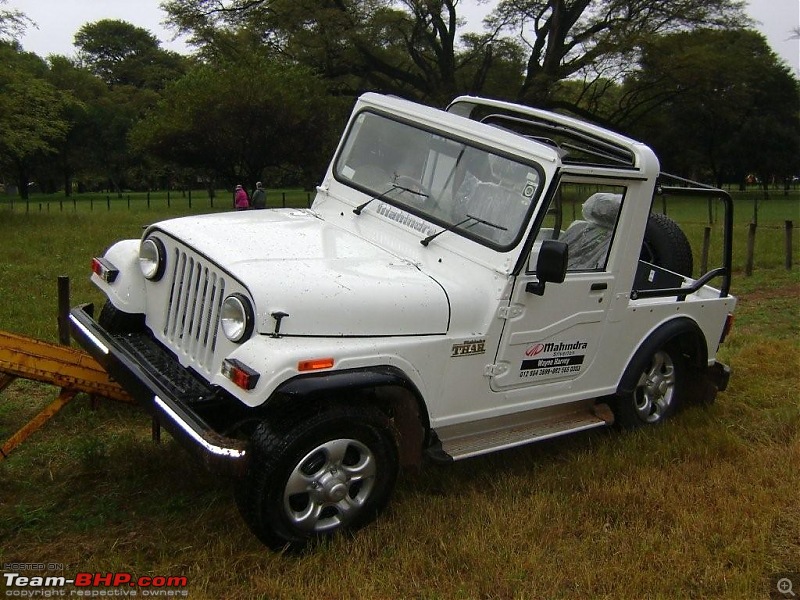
{"points": [[682, 330], [408, 410], [347, 380]]}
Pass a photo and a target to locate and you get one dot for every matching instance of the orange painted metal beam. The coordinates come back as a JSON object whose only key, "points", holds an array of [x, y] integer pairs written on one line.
{"points": [[34, 424], [62, 366], [72, 370]]}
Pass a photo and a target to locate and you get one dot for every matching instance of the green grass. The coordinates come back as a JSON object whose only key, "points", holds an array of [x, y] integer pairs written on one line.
{"points": [[703, 507]]}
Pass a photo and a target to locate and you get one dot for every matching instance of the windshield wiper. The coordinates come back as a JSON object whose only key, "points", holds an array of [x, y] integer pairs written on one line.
{"points": [[431, 237], [393, 187], [357, 210], [411, 191]]}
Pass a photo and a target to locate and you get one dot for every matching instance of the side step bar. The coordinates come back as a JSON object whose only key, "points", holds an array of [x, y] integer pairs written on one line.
{"points": [[508, 431]]}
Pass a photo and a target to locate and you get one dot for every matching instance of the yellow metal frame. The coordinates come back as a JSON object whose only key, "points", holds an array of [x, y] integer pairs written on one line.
{"points": [[72, 370]]}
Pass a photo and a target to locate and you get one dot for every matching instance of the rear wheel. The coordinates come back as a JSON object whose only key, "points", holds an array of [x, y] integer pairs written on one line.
{"points": [[309, 478], [658, 391]]}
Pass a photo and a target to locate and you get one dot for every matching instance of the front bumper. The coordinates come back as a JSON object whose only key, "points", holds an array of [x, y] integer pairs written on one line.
{"points": [[167, 390]]}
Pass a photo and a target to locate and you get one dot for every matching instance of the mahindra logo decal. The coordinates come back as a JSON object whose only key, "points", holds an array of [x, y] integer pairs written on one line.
{"points": [[534, 350]]}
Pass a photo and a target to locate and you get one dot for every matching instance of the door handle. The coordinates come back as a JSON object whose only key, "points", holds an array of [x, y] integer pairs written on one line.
{"points": [[597, 287]]}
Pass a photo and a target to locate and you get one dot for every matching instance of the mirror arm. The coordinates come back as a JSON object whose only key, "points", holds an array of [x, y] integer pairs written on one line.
{"points": [[535, 287]]}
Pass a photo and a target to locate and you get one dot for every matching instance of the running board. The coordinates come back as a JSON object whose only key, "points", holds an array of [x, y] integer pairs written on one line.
{"points": [[508, 431]]}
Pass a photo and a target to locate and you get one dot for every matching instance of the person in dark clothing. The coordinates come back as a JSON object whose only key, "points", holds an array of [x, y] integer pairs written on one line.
{"points": [[259, 196]]}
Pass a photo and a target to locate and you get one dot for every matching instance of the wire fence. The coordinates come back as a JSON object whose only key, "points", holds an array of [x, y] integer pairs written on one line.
{"points": [[189, 199]]}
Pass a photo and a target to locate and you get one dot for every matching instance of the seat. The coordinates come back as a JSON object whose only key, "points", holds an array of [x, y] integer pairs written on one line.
{"points": [[589, 239]]}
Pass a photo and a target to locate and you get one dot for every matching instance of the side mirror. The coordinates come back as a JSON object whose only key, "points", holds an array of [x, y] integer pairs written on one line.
{"points": [[550, 266]]}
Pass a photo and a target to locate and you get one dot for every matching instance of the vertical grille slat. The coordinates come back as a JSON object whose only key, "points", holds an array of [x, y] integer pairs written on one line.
{"points": [[193, 308]]}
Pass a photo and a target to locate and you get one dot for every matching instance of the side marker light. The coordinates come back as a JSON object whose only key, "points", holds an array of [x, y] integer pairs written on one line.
{"points": [[315, 364]]}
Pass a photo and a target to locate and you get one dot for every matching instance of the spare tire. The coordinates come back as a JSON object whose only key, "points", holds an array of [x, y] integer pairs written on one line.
{"points": [[666, 245]]}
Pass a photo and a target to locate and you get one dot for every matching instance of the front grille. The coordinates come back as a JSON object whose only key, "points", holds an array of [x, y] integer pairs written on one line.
{"points": [[193, 309]]}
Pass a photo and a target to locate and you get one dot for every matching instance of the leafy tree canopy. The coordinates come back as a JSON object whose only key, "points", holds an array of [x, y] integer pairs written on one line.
{"points": [[122, 54], [707, 98], [233, 120]]}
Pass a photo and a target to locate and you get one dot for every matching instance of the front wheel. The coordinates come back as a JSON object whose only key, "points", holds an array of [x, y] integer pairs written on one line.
{"points": [[312, 477], [115, 320], [658, 391]]}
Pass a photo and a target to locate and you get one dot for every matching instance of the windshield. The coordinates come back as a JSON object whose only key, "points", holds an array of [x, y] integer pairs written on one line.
{"points": [[469, 190]]}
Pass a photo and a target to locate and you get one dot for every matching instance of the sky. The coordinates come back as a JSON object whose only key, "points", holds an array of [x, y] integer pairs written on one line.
{"points": [[58, 20]]}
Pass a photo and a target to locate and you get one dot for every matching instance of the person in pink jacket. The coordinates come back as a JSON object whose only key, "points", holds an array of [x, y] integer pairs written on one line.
{"points": [[240, 199]]}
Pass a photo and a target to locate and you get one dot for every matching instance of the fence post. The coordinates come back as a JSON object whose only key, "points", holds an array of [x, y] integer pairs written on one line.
{"points": [[63, 310], [788, 226], [283, 199], [129, 201], [108, 202], [751, 248], [706, 247], [169, 201], [190, 198]]}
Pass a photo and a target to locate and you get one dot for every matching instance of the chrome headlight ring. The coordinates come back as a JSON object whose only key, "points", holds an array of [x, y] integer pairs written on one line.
{"points": [[152, 258], [237, 318]]}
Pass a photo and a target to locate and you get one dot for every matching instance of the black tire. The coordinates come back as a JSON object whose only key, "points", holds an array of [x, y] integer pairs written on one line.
{"points": [[114, 320], [310, 478], [666, 245], [660, 388]]}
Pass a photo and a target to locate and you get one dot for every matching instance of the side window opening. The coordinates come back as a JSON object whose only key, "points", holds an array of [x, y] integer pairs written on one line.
{"points": [[585, 218]]}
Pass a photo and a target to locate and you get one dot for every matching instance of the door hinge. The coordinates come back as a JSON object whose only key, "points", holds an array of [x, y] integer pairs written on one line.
{"points": [[495, 370], [510, 312]]}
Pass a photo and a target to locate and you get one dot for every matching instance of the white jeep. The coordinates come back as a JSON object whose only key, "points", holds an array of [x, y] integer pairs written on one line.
{"points": [[465, 281]]}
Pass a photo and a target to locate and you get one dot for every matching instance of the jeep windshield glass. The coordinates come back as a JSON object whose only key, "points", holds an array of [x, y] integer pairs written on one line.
{"points": [[453, 185]]}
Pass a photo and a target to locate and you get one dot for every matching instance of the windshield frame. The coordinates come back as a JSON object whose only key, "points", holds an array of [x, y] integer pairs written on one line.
{"points": [[441, 224]]}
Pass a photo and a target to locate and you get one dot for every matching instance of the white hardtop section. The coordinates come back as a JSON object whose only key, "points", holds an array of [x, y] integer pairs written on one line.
{"points": [[329, 281], [642, 154]]}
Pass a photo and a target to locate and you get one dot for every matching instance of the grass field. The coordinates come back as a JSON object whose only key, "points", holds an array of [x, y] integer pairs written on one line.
{"points": [[703, 507]]}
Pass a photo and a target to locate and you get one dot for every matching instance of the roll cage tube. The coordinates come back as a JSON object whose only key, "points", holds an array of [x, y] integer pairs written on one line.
{"points": [[698, 189]]}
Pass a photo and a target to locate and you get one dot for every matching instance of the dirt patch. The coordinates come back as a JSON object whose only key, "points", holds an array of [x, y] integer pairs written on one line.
{"points": [[786, 291]]}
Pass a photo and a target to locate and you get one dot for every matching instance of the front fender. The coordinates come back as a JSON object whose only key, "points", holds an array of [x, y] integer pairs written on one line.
{"points": [[127, 291]]}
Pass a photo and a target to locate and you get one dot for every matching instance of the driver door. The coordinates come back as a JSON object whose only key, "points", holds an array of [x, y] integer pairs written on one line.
{"points": [[551, 340]]}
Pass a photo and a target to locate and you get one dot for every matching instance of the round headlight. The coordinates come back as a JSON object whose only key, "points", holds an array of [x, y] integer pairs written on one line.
{"points": [[237, 318], [152, 258]]}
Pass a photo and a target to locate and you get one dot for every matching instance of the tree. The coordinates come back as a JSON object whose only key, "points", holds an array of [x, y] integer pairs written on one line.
{"points": [[77, 151], [31, 114], [597, 40], [408, 47], [12, 24], [233, 120], [714, 96], [122, 54]]}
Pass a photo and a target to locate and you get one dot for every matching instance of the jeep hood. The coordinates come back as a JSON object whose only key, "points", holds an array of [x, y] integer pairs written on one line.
{"points": [[328, 281]]}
